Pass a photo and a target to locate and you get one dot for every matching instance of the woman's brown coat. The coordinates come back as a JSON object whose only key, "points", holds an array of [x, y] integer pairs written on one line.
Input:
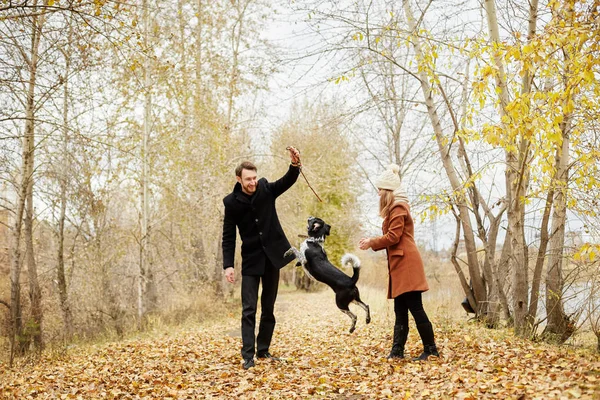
{"points": [[405, 266]]}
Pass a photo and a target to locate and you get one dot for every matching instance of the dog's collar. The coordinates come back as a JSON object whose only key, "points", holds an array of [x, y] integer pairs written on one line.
{"points": [[316, 240]]}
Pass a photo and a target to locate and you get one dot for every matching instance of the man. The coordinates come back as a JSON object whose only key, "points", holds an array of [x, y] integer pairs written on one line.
{"points": [[251, 207]]}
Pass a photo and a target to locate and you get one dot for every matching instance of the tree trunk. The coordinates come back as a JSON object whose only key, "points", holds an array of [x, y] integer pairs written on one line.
{"points": [[526, 89], [539, 264], [25, 207], [35, 292], [559, 327], [496, 296], [220, 282], [477, 281], [454, 259], [181, 19], [516, 188], [198, 94], [63, 182], [146, 284], [518, 260], [503, 276], [110, 299], [236, 36], [15, 265]]}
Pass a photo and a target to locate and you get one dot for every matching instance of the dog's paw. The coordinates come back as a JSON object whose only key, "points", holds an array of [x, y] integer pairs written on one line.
{"points": [[289, 252]]}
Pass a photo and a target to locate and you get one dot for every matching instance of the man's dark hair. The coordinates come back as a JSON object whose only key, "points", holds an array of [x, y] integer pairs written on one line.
{"points": [[244, 165]]}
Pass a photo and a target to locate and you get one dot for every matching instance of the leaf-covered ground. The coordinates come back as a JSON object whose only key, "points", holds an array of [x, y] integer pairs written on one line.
{"points": [[321, 360]]}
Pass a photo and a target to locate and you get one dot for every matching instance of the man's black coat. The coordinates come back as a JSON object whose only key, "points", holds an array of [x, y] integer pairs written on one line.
{"points": [[257, 221]]}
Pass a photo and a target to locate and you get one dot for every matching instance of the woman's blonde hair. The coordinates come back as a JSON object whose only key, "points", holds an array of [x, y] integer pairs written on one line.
{"points": [[386, 200]]}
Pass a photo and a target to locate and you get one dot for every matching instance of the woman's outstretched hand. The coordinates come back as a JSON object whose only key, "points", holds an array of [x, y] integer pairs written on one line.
{"points": [[364, 244]]}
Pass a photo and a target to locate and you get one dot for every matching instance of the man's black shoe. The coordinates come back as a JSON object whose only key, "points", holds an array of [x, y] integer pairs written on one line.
{"points": [[268, 355], [248, 363]]}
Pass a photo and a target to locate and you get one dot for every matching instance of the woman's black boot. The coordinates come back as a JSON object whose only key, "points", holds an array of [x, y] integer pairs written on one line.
{"points": [[400, 335], [429, 348]]}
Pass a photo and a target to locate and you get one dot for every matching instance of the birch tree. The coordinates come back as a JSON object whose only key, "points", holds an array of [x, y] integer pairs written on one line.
{"points": [[26, 54], [63, 183], [516, 179], [540, 125], [146, 284]]}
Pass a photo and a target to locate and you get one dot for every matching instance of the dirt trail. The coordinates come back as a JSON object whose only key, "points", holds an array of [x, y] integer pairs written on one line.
{"points": [[320, 360]]}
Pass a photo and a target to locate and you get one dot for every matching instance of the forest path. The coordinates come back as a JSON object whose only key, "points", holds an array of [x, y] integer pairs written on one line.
{"points": [[320, 360]]}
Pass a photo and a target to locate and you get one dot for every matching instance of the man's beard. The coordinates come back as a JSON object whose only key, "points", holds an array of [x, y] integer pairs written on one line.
{"points": [[249, 189]]}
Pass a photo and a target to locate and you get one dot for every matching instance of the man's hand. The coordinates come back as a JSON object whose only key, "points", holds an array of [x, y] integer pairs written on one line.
{"points": [[229, 275], [294, 154]]}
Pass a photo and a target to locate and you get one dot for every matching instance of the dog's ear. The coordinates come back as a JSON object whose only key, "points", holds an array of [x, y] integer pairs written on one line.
{"points": [[327, 229]]}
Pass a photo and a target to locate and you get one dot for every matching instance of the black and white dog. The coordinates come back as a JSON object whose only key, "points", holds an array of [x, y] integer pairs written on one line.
{"points": [[313, 258]]}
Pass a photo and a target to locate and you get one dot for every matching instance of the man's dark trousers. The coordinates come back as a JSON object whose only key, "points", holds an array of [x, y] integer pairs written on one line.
{"points": [[250, 284]]}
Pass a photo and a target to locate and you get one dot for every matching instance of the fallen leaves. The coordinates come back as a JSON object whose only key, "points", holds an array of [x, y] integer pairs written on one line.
{"points": [[320, 359]]}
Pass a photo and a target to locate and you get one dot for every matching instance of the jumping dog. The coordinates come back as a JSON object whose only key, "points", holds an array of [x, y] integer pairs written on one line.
{"points": [[313, 258]]}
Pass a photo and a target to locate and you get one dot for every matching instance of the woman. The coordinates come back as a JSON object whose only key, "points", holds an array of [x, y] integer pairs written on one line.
{"points": [[405, 268]]}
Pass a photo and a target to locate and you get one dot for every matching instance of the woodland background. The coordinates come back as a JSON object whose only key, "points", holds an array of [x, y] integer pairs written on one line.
{"points": [[121, 124]]}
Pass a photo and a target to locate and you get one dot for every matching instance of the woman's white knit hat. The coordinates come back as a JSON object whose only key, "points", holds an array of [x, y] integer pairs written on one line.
{"points": [[389, 179]]}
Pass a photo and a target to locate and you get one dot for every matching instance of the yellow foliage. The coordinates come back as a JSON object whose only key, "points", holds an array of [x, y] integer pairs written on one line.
{"points": [[528, 49], [587, 252]]}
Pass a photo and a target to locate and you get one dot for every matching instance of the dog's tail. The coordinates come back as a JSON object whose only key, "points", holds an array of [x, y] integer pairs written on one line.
{"points": [[353, 261]]}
